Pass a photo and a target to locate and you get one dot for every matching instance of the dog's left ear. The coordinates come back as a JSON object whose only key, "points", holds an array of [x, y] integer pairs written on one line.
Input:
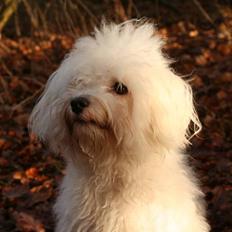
{"points": [[176, 112], [40, 122], [44, 120]]}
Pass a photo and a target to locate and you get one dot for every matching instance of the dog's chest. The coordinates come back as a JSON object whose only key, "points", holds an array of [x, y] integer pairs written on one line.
{"points": [[144, 206], [113, 216], [111, 209]]}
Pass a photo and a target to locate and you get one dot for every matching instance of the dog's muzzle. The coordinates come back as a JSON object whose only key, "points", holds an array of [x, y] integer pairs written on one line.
{"points": [[82, 114]]}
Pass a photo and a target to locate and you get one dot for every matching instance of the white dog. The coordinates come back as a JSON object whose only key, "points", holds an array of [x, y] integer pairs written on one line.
{"points": [[120, 117]]}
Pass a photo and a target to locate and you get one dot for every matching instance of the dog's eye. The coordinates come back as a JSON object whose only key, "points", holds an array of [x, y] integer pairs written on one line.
{"points": [[120, 88]]}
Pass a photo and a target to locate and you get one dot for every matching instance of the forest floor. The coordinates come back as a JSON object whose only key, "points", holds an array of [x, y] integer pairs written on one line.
{"points": [[29, 174]]}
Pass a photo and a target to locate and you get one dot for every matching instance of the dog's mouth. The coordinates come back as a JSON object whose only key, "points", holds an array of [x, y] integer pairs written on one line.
{"points": [[80, 121]]}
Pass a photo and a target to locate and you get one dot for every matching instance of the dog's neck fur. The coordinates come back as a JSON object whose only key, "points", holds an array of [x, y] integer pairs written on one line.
{"points": [[110, 162], [113, 170]]}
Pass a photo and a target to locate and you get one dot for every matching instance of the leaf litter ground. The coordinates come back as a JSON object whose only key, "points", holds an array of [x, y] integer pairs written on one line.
{"points": [[29, 174]]}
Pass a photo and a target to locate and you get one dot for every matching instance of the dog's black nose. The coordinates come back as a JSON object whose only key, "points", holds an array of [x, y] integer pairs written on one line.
{"points": [[78, 104]]}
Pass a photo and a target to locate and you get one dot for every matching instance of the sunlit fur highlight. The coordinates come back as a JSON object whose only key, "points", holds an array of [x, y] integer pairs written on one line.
{"points": [[126, 169]]}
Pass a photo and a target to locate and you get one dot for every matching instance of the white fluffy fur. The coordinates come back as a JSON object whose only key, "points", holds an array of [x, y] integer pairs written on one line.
{"points": [[126, 171]]}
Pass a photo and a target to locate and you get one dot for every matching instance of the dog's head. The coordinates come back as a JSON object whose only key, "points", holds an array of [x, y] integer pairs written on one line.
{"points": [[115, 89]]}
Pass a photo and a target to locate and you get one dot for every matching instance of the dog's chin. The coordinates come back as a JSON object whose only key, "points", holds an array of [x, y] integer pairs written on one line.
{"points": [[90, 135]]}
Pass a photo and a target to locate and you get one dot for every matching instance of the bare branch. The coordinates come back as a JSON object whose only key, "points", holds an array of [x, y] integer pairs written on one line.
{"points": [[11, 7], [202, 10]]}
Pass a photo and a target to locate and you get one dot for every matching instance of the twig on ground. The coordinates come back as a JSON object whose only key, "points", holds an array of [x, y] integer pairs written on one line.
{"points": [[88, 11], [37, 82], [27, 100], [5, 87], [203, 12], [4, 47], [6, 69], [3, 82]]}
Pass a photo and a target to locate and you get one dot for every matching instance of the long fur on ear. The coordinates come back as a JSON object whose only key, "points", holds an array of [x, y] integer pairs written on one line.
{"points": [[47, 116], [174, 112], [39, 117]]}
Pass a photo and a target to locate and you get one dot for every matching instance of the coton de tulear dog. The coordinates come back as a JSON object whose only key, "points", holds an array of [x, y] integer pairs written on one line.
{"points": [[120, 117]]}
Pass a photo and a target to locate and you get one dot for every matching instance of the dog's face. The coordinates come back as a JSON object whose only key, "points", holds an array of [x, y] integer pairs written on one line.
{"points": [[115, 90], [98, 110]]}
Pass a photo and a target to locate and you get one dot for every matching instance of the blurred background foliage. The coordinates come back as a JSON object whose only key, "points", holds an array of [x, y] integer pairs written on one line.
{"points": [[35, 35]]}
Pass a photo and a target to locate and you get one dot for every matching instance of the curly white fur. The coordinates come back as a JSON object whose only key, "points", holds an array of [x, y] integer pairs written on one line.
{"points": [[126, 171]]}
